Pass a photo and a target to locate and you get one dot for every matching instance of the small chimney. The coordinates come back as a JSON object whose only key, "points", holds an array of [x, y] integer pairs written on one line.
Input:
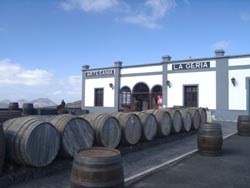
{"points": [[166, 58], [219, 53]]}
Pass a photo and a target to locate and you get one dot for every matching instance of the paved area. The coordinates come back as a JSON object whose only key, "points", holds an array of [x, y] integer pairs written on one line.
{"points": [[140, 160], [230, 170]]}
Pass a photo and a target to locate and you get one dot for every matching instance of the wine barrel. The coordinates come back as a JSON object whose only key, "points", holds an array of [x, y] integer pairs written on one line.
{"points": [[130, 126], [30, 141], [176, 120], [13, 106], [75, 133], [196, 118], [28, 108], [164, 122], [149, 125], [210, 139], [243, 125], [107, 129], [203, 114], [186, 118], [2, 149], [97, 167]]}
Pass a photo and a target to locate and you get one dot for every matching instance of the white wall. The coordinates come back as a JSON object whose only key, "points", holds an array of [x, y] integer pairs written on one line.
{"points": [[91, 84], [144, 69], [206, 82], [239, 61], [149, 80], [238, 93]]}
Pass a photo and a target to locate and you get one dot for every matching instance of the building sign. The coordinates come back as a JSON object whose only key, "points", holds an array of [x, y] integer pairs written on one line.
{"points": [[102, 72], [191, 65]]}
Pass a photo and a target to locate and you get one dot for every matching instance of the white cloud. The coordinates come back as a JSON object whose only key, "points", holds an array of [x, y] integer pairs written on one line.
{"points": [[14, 74], [89, 5], [245, 16], [69, 88], [17, 82], [147, 14], [221, 45], [151, 13]]}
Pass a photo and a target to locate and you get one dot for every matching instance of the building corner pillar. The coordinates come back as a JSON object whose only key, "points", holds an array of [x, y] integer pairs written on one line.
{"points": [[84, 69], [118, 66], [165, 61]]}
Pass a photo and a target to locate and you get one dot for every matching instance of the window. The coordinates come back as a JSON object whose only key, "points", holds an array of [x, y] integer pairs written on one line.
{"points": [[99, 97], [191, 96], [125, 96]]}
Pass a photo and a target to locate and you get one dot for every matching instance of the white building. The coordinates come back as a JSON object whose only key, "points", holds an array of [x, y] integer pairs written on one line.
{"points": [[220, 83]]}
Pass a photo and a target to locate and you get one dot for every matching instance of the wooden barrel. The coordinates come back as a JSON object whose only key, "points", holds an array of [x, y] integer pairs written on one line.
{"points": [[243, 125], [75, 133], [28, 108], [107, 129], [13, 106], [210, 139], [149, 125], [30, 141], [176, 120], [97, 167], [186, 118], [203, 114], [130, 126], [196, 118], [164, 122], [2, 149]]}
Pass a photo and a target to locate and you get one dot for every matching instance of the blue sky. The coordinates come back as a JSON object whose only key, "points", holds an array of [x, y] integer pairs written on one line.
{"points": [[43, 44]]}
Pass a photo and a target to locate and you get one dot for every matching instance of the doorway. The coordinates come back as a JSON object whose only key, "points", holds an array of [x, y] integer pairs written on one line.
{"points": [[140, 97], [191, 96]]}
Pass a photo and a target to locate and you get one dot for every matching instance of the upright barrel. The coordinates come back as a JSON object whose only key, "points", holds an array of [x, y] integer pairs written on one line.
{"points": [[13, 106], [2, 149], [186, 118], [28, 109], [176, 120], [30, 141], [107, 129], [164, 122], [131, 127], [210, 139], [243, 125], [97, 167], [75, 133], [149, 125], [196, 118]]}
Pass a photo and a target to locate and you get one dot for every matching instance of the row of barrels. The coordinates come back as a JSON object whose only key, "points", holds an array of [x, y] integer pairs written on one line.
{"points": [[35, 142]]}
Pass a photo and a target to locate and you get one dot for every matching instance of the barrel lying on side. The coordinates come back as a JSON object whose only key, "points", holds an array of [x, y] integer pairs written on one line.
{"points": [[243, 125], [186, 118], [164, 122], [2, 149], [210, 139], [107, 129], [203, 115], [131, 127], [30, 141], [176, 120], [75, 133], [196, 118], [97, 167], [149, 125]]}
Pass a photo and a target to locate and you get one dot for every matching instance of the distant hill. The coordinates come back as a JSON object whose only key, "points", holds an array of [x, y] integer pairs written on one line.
{"points": [[38, 103], [76, 104], [43, 102]]}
